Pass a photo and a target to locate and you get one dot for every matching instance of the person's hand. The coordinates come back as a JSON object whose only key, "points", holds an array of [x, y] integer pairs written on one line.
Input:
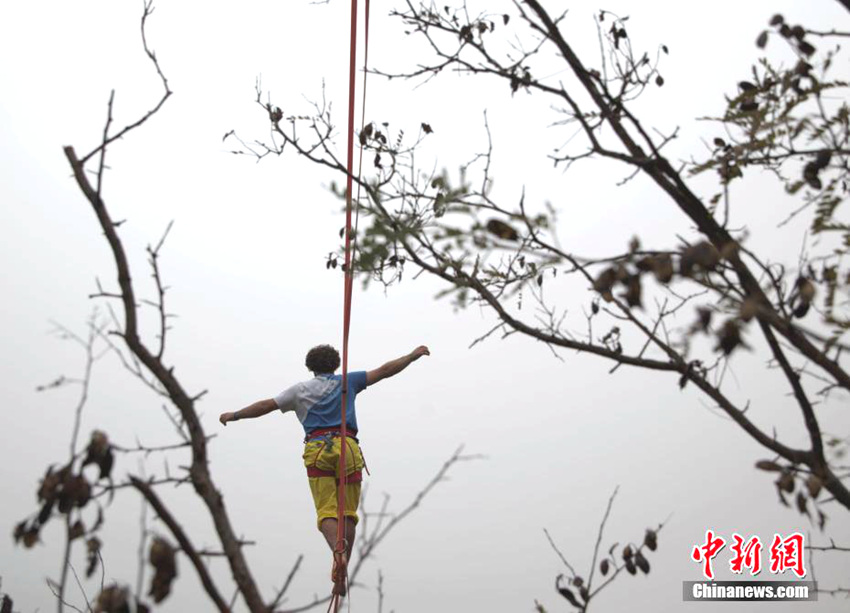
{"points": [[226, 417], [419, 352]]}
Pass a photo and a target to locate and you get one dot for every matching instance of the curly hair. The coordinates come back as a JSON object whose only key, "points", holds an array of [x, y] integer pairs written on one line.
{"points": [[322, 359]]}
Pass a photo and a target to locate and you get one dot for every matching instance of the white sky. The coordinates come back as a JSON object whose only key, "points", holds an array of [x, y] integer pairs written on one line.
{"points": [[245, 261]]}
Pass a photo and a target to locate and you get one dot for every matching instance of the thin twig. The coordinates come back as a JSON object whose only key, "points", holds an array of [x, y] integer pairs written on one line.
{"points": [[599, 536], [558, 551]]}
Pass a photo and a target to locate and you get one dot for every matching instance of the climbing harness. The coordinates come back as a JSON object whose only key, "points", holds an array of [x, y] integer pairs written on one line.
{"points": [[326, 436], [323, 432]]}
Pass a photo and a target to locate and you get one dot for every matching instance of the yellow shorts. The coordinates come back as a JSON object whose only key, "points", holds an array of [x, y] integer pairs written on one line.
{"points": [[322, 454]]}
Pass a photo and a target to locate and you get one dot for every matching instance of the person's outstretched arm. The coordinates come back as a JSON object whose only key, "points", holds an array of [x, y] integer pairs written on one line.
{"points": [[393, 367], [258, 409]]}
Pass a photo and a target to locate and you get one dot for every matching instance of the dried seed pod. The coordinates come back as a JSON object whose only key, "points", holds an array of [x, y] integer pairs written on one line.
{"points": [[645, 264], [92, 555], [566, 593], [49, 485], [806, 289], [814, 485], [729, 337], [627, 552], [30, 536], [822, 159], [630, 566], [786, 482], [66, 501], [642, 563], [632, 294], [650, 539], [801, 310], [803, 68], [810, 176], [603, 567], [113, 599], [77, 530], [161, 553], [605, 282], [76, 491], [82, 491], [663, 268], [98, 444], [106, 464], [702, 256], [768, 465], [162, 558], [19, 531], [502, 230], [801, 300]]}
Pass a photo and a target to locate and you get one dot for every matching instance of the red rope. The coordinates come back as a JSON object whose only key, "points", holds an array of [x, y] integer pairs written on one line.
{"points": [[362, 124], [346, 314], [340, 547]]}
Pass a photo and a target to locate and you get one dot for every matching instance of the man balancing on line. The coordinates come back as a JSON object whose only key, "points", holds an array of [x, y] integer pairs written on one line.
{"points": [[317, 403]]}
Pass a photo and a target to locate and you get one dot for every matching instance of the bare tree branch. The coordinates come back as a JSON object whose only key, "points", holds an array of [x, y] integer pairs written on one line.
{"points": [[187, 547]]}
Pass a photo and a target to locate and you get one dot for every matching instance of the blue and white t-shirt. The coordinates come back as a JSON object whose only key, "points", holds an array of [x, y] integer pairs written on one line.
{"points": [[317, 402]]}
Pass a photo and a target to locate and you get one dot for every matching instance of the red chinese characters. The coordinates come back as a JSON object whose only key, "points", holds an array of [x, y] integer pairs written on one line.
{"points": [[747, 555], [706, 552], [787, 554]]}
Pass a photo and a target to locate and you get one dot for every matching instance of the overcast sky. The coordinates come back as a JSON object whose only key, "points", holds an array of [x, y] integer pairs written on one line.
{"points": [[245, 263]]}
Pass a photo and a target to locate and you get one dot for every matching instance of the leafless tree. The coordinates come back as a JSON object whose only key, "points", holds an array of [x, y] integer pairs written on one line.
{"points": [[80, 499], [581, 589], [789, 122]]}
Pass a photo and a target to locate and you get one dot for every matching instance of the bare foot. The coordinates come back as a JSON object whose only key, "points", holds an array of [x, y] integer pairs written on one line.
{"points": [[339, 573]]}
